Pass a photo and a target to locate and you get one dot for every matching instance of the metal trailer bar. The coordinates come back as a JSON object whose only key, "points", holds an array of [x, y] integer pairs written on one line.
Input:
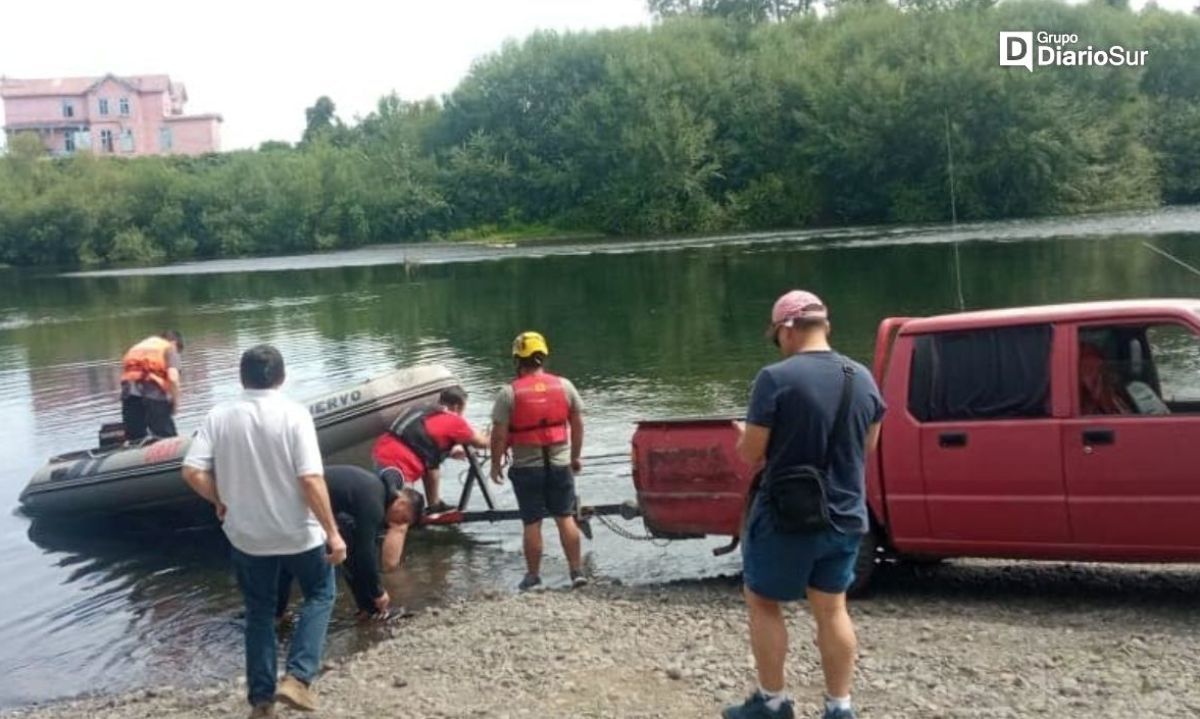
{"points": [[461, 515]]}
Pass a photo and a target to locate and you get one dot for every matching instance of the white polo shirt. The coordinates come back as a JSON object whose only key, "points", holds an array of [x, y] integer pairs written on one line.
{"points": [[257, 447]]}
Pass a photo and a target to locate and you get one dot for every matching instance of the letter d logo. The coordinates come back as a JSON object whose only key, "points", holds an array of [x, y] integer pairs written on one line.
{"points": [[1016, 50]]}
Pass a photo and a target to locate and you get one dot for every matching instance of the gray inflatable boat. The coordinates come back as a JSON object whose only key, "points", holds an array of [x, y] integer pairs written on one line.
{"points": [[147, 478]]}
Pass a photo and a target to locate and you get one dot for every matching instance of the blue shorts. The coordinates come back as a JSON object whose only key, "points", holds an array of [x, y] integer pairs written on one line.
{"points": [[781, 566], [543, 492]]}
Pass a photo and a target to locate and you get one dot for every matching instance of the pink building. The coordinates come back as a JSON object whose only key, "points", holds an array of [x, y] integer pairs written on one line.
{"points": [[135, 115]]}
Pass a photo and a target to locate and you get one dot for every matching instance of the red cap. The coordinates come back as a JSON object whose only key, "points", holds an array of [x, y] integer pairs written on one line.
{"points": [[796, 305]]}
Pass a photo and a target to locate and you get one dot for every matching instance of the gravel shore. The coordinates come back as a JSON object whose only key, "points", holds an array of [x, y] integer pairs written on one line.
{"points": [[967, 639]]}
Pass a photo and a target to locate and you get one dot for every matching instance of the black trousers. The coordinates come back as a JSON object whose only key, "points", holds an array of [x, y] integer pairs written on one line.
{"points": [[142, 415]]}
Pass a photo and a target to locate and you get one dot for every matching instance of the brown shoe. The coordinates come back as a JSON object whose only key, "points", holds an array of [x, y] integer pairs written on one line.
{"points": [[296, 694], [266, 710]]}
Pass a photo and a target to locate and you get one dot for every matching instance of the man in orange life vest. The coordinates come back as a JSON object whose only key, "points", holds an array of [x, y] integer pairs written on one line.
{"points": [[420, 440], [539, 417], [150, 386]]}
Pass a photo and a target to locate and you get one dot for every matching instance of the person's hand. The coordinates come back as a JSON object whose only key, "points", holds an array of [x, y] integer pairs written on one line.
{"points": [[576, 465], [337, 549], [458, 452], [221, 511], [497, 474], [382, 603]]}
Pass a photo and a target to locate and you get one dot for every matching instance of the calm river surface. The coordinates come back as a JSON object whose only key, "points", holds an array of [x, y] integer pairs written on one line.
{"points": [[644, 328]]}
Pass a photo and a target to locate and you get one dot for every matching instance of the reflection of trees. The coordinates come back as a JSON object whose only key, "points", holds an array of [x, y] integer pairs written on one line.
{"points": [[690, 321]]}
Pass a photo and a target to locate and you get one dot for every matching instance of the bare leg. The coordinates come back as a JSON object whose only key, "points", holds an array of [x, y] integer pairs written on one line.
{"points": [[433, 483], [768, 639], [835, 639], [568, 533], [533, 548]]}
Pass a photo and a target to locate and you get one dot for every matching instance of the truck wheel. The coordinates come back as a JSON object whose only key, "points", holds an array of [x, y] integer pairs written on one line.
{"points": [[869, 556]]}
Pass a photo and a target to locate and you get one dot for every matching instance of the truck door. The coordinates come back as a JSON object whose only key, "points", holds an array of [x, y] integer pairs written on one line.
{"points": [[1132, 449], [991, 451]]}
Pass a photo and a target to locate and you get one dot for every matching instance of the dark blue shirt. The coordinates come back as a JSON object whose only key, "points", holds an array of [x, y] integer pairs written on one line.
{"points": [[797, 399]]}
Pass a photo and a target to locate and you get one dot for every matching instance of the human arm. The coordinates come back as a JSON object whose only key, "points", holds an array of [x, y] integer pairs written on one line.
{"points": [[576, 421], [755, 433], [173, 381], [873, 433], [393, 546], [499, 447], [198, 466], [310, 472], [202, 483], [316, 496], [173, 388], [501, 413], [752, 442]]}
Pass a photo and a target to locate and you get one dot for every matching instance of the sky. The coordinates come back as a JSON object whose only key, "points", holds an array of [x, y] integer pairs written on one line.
{"points": [[260, 63]]}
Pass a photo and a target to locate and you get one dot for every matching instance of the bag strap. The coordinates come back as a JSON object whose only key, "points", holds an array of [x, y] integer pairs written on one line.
{"points": [[839, 420]]}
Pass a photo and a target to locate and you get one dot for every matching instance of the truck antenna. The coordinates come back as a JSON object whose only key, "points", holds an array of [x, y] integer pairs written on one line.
{"points": [[1173, 258], [962, 302]]}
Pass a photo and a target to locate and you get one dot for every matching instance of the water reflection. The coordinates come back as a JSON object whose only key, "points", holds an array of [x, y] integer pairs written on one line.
{"points": [[642, 333]]}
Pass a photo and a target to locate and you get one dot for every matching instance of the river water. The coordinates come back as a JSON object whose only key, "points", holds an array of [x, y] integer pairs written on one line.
{"points": [[645, 329]]}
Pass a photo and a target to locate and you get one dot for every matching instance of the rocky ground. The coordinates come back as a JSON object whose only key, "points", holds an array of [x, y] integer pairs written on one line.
{"points": [[969, 639]]}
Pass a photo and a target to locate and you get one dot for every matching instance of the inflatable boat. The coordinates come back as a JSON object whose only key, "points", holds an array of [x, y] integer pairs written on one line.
{"points": [[146, 478]]}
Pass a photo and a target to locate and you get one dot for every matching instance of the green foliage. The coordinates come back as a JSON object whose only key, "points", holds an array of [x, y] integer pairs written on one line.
{"points": [[731, 114]]}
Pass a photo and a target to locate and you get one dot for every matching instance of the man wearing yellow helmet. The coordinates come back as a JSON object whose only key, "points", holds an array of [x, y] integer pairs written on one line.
{"points": [[539, 417]]}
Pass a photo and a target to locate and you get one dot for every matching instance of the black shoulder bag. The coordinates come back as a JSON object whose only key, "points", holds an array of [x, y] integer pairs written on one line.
{"points": [[796, 496]]}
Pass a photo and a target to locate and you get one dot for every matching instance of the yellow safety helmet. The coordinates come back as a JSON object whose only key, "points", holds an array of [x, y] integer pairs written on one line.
{"points": [[529, 343]]}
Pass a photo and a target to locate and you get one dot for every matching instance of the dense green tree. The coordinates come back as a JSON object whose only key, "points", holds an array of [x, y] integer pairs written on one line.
{"points": [[764, 116]]}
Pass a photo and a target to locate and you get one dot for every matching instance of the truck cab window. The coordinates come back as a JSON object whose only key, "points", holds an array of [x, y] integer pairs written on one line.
{"points": [[1175, 353], [1144, 370], [994, 373]]}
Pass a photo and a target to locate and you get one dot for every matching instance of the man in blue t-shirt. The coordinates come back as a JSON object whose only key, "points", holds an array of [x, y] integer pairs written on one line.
{"points": [[790, 421]]}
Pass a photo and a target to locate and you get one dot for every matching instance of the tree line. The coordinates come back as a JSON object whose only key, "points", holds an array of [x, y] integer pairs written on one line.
{"points": [[723, 115]]}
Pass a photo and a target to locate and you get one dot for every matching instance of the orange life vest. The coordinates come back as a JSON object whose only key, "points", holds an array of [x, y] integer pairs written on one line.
{"points": [[540, 411], [147, 360]]}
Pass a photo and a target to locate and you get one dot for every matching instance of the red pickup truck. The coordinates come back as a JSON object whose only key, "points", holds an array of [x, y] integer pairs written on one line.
{"points": [[1066, 432]]}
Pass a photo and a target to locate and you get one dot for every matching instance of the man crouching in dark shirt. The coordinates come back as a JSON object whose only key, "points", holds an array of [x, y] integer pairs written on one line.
{"points": [[365, 506]]}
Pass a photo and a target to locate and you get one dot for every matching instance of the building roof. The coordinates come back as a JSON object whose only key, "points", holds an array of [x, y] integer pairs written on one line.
{"points": [[13, 87], [1049, 314]]}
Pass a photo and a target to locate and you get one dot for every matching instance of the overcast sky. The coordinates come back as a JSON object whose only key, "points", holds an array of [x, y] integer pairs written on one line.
{"points": [[261, 62]]}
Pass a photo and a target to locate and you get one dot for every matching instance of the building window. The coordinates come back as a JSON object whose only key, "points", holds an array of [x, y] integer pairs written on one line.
{"points": [[106, 140], [69, 141], [166, 139], [104, 106], [68, 108], [126, 140], [125, 107]]}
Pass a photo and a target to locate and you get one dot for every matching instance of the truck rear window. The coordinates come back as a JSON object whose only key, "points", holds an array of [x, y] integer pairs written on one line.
{"points": [[993, 373]]}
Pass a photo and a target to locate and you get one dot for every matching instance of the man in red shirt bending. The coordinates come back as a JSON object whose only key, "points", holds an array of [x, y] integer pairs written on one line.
{"points": [[421, 438]]}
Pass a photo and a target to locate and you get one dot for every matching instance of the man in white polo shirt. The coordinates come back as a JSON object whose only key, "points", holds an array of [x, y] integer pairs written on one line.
{"points": [[256, 459]]}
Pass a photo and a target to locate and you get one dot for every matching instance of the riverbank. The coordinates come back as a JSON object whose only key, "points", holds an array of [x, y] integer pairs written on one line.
{"points": [[970, 639]]}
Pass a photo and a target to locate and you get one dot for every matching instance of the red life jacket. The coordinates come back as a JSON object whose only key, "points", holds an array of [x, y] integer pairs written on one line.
{"points": [[147, 361], [540, 411]]}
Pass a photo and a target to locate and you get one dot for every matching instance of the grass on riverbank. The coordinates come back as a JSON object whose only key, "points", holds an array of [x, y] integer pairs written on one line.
{"points": [[516, 234]]}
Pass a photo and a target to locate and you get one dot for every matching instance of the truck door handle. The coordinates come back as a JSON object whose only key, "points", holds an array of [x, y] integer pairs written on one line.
{"points": [[1099, 436], [952, 439]]}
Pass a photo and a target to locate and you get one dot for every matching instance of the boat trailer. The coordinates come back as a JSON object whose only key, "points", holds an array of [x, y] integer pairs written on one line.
{"points": [[628, 510]]}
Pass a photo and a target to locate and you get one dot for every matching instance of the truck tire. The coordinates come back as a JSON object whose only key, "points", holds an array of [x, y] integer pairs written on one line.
{"points": [[869, 556]]}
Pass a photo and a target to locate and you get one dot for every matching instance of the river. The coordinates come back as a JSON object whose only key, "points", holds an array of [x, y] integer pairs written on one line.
{"points": [[669, 327]]}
